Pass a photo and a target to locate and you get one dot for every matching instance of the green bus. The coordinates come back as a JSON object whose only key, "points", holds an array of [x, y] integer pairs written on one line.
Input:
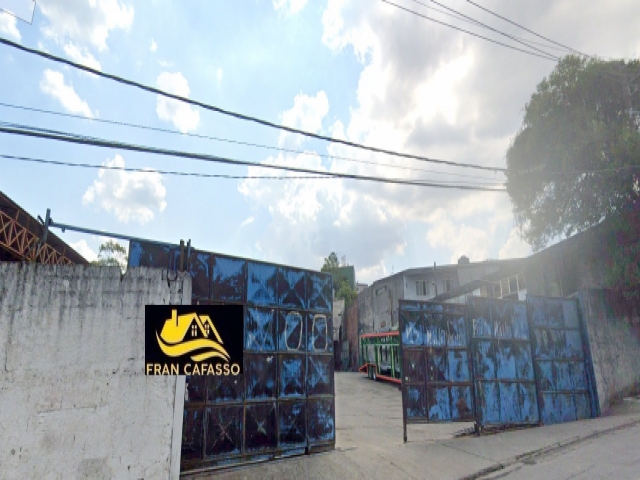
{"points": [[380, 356]]}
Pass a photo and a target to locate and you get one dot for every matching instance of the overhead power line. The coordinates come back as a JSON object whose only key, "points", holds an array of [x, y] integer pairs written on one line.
{"points": [[472, 21], [235, 142], [528, 52], [173, 172], [96, 142], [237, 115], [527, 30], [488, 27], [163, 172]]}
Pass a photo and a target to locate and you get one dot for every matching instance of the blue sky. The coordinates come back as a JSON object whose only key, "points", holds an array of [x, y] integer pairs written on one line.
{"points": [[360, 70]]}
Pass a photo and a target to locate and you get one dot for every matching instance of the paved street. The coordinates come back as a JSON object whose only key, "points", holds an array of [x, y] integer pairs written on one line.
{"points": [[613, 455], [369, 445]]}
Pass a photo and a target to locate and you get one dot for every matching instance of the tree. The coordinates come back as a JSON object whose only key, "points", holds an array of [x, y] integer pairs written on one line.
{"points": [[112, 254], [341, 285], [330, 263], [575, 160]]}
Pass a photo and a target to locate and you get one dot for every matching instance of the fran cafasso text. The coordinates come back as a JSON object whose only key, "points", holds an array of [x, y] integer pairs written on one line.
{"points": [[195, 369]]}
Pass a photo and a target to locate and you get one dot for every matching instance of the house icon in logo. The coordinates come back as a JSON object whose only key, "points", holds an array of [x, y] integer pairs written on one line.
{"points": [[190, 333]]}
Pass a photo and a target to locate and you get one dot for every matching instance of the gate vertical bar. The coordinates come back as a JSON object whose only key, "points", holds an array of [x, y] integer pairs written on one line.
{"points": [[402, 373]]}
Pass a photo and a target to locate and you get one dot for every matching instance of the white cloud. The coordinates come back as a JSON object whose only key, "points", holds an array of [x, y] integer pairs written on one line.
{"points": [[85, 22], [165, 63], [460, 240], [514, 247], [131, 196], [85, 250], [292, 6], [81, 56], [428, 90], [9, 26], [306, 114], [248, 221], [183, 117], [53, 84], [219, 75], [154, 46], [310, 218]]}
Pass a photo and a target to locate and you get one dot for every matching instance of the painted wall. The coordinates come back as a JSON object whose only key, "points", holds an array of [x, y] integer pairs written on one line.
{"points": [[613, 326], [74, 402], [350, 333]]}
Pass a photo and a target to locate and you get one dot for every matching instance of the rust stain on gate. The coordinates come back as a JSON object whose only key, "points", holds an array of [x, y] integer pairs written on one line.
{"points": [[283, 404], [436, 369]]}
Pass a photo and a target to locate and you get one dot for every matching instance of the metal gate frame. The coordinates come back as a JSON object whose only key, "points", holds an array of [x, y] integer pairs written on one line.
{"points": [[562, 360], [437, 378], [516, 358], [504, 376], [284, 402]]}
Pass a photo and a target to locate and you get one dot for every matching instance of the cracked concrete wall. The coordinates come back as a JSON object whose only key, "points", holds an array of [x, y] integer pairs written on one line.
{"points": [[74, 400]]}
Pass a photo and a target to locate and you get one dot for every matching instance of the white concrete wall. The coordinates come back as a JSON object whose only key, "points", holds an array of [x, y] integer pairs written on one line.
{"points": [[614, 339], [74, 400]]}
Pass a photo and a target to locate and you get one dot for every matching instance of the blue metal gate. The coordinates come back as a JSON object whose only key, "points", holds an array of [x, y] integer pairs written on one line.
{"points": [[561, 360], [496, 362], [284, 402], [503, 372], [436, 365]]}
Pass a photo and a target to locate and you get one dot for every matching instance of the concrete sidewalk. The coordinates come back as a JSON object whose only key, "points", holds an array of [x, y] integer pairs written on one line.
{"points": [[369, 442]]}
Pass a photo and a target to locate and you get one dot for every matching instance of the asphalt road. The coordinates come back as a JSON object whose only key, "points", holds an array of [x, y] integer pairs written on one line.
{"points": [[369, 446], [613, 455]]}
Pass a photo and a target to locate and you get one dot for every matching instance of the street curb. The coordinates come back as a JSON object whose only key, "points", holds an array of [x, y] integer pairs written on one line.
{"points": [[541, 452]]}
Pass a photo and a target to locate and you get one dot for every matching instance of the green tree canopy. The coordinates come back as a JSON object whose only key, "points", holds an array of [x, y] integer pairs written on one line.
{"points": [[331, 262], [575, 160], [341, 285], [112, 254]]}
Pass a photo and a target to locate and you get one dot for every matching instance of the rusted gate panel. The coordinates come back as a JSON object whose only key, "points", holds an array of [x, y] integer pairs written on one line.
{"points": [[503, 371], [284, 402], [562, 362], [436, 366]]}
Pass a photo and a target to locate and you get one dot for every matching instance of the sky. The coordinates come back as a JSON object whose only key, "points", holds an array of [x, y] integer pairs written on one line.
{"points": [[359, 70]]}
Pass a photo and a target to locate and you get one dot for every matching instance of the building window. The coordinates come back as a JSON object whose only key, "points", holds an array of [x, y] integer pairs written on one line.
{"points": [[422, 289], [521, 284], [513, 284], [504, 287], [447, 285], [381, 290]]}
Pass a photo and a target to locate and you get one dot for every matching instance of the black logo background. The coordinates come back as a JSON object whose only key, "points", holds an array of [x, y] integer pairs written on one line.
{"points": [[227, 319]]}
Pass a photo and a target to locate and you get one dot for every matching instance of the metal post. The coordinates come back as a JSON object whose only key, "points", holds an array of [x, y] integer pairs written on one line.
{"points": [[181, 266]]}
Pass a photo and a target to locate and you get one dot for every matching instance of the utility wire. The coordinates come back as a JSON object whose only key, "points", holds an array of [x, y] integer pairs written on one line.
{"points": [[546, 57], [494, 30], [163, 172], [476, 22], [216, 159], [239, 116], [170, 172], [91, 139], [528, 30], [235, 142]]}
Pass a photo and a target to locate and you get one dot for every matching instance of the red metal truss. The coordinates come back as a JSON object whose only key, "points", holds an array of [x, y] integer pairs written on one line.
{"points": [[22, 243]]}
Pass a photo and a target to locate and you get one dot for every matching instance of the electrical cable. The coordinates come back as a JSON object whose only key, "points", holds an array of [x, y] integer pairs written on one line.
{"points": [[173, 172], [478, 23], [232, 114], [546, 57], [235, 142], [493, 29], [77, 139], [163, 172], [528, 30]]}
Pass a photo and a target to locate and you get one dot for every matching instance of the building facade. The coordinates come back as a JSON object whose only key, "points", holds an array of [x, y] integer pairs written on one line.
{"points": [[378, 303]]}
